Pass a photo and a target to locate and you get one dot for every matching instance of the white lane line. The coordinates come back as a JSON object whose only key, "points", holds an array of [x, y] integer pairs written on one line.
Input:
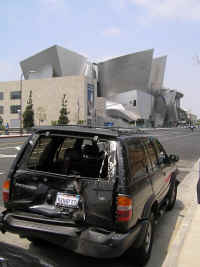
{"points": [[10, 147], [7, 156], [1, 173]]}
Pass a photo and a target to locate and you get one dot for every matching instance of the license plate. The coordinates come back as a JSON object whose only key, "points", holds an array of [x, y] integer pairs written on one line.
{"points": [[64, 200]]}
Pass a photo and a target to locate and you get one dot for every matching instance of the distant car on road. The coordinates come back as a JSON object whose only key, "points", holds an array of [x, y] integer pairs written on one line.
{"points": [[95, 191]]}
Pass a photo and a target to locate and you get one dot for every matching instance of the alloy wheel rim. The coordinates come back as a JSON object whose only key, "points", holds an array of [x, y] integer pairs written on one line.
{"points": [[148, 238]]}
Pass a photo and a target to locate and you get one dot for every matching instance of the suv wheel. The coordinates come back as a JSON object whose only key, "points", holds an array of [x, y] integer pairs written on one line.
{"points": [[142, 254], [172, 196]]}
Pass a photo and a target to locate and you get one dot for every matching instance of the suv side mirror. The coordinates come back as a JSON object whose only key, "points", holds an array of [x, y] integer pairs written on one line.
{"points": [[173, 157]]}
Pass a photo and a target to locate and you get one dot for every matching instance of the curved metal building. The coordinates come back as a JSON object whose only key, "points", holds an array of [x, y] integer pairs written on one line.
{"points": [[134, 81]]}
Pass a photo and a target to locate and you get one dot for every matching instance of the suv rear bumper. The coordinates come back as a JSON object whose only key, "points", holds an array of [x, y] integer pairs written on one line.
{"points": [[88, 241]]}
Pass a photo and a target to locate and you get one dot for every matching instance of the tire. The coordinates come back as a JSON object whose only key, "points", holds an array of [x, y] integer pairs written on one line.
{"points": [[172, 197], [142, 254]]}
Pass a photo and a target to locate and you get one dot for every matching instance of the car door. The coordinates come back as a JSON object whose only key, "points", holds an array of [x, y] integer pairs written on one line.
{"points": [[166, 166], [140, 186], [156, 172]]}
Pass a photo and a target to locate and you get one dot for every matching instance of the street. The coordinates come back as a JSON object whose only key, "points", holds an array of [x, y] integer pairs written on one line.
{"points": [[178, 141]]}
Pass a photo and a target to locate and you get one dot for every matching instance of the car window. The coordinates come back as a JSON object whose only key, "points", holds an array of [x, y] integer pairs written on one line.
{"points": [[67, 143], [137, 160], [37, 155], [162, 155], [152, 153], [69, 155]]}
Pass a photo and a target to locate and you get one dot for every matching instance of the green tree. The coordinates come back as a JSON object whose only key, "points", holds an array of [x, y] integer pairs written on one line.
{"points": [[1, 122], [63, 118], [28, 115]]}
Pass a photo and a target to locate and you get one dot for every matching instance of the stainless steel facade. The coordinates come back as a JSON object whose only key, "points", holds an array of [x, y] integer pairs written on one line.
{"points": [[125, 73], [158, 72], [135, 81], [55, 61]]}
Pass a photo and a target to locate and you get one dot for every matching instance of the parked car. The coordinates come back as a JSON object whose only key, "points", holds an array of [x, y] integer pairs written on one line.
{"points": [[94, 191]]}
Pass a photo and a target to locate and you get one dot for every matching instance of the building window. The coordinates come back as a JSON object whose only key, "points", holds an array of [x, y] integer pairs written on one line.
{"points": [[1, 95], [15, 109], [15, 95], [134, 102], [1, 109]]}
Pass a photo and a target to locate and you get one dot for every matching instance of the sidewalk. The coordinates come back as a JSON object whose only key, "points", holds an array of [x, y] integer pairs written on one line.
{"points": [[190, 252], [184, 250]]}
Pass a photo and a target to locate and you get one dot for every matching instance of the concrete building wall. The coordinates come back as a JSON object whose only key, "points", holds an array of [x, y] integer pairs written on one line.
{"points": [[48, 94]]}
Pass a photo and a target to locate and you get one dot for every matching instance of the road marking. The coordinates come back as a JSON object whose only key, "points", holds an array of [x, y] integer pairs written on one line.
{"points": [[11, 143], [1, 173], [7, 156], [10, 147]]}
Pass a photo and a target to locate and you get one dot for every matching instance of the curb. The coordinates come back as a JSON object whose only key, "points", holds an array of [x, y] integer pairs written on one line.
{"points": [[175, 250]]}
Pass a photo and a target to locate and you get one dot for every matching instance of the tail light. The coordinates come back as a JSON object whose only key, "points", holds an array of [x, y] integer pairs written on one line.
{"points": [[124, 208], [6, 190]]}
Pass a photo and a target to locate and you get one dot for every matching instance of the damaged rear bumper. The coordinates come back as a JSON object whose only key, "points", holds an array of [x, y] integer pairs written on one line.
{"points": [[88, 241]]}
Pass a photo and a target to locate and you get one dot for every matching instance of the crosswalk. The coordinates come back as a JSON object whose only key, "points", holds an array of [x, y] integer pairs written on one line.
{"points": [[8, 152], [7, 156]]}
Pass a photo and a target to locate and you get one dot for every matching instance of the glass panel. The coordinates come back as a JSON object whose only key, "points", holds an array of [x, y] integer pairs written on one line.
{"points": [[15, 95], [67, 155], [152, 154], [137, 159], [162, 156], [1, 95], [15, 108]]}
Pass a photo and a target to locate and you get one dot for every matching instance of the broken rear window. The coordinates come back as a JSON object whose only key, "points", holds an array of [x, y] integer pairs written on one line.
{"points": [[85, 157]]}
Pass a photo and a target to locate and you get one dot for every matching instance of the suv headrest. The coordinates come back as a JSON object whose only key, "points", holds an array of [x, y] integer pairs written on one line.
{"points": [[91, 150], [73, 154]]}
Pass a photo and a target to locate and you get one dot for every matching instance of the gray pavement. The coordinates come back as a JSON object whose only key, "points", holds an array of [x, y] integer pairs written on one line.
{"points": [[183, 252]]}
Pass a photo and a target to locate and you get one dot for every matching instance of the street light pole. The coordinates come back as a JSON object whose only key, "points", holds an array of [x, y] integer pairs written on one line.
{"points": [[21, 130]]}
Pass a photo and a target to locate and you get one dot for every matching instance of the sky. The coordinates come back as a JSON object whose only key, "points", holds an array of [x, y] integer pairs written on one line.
{"points": [[101, 29]]}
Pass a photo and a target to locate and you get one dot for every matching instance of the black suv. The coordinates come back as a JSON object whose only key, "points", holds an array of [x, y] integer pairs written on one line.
{"points": [[95, 191]]}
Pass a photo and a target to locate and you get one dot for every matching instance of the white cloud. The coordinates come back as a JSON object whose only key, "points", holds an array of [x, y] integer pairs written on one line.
{"points": [[112, 31], [180, 9]]}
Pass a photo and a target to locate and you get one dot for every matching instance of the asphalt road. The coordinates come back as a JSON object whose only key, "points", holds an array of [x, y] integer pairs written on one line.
{"points": [[182, 142]]}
